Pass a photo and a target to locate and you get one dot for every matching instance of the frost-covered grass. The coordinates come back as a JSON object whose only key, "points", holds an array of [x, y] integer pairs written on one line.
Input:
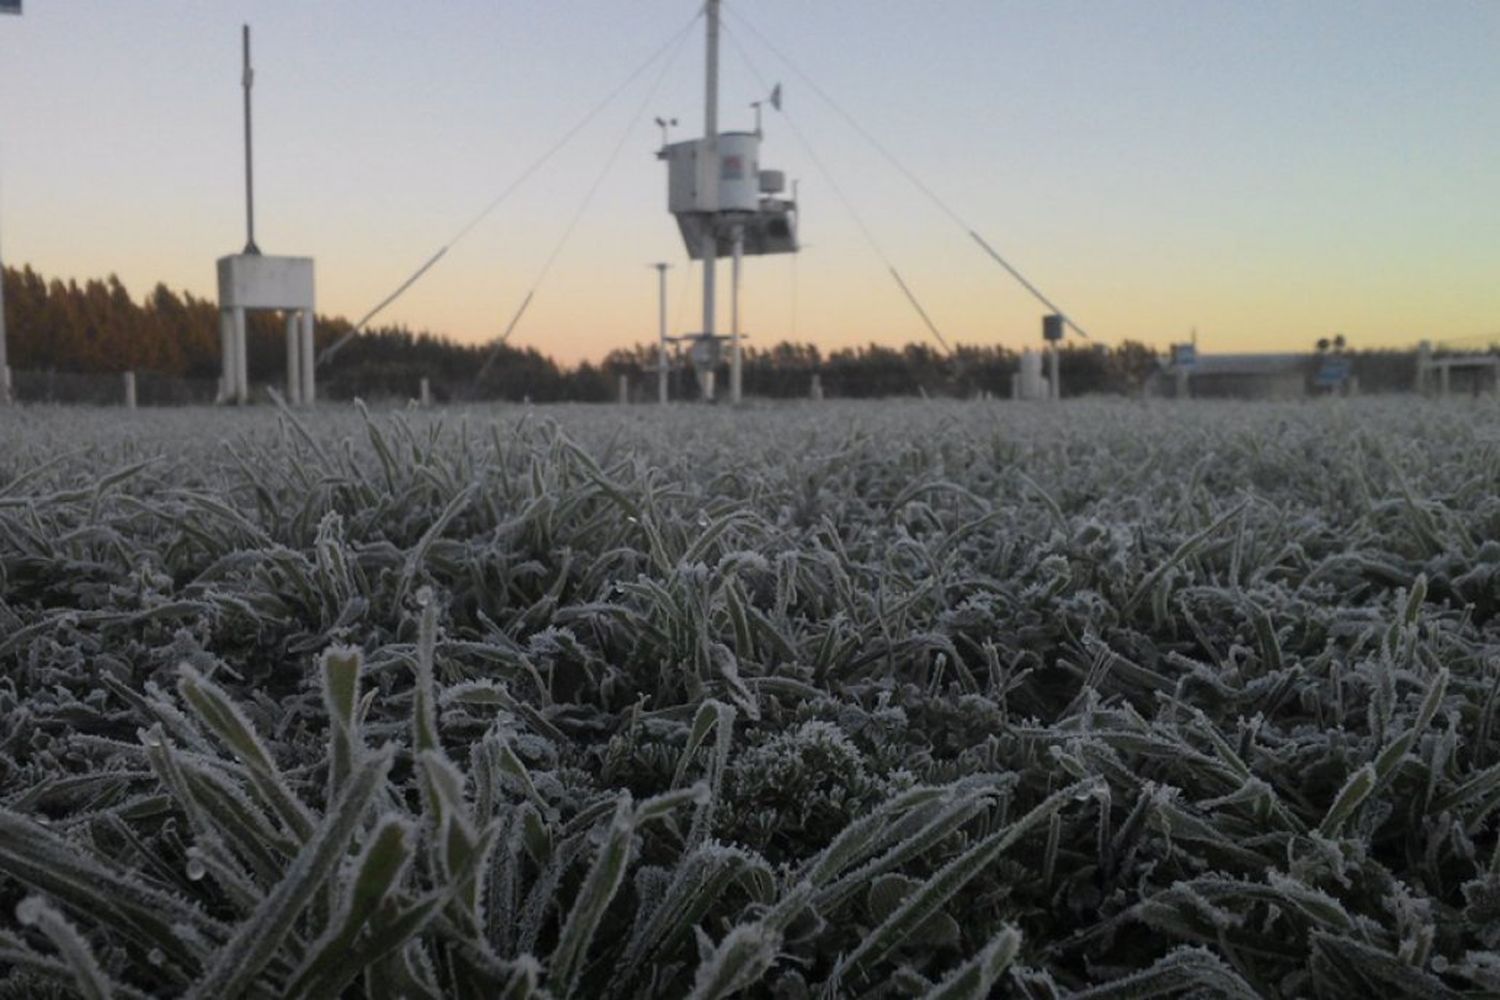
{"points": [[853, 700]]}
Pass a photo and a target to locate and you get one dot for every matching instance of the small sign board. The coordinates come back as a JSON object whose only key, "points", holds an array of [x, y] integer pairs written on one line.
{"points": [[10, 6], [1052, 327], [1184, 355], [1333, 372]]}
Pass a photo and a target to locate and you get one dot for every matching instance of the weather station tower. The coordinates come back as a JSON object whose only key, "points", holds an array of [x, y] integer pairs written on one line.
{"points": [[253, 280], [725, 206]]}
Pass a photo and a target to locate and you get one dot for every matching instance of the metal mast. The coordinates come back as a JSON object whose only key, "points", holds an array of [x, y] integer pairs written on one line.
{"points": [[249, 80], [708, 167], [5, 395], [661, 342]]}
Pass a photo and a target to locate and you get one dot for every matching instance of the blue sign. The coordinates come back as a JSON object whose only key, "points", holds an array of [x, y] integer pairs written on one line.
{"points": [[1184, 355], [10, 6], [1333, 372]]}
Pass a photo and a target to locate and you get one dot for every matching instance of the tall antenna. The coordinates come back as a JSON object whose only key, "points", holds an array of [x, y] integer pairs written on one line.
{"points": [[249, 81]]}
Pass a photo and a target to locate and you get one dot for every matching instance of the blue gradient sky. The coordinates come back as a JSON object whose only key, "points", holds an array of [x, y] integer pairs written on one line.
{"points": [[1269, 172]]}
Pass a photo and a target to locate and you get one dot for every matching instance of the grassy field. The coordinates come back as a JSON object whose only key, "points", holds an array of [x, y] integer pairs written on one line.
{"points": [[899, 699]]}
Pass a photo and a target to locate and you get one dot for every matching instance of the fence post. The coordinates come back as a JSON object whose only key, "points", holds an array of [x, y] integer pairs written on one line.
{"points": [[816, 392], [130, 390], [426, 392], [624, 389]]}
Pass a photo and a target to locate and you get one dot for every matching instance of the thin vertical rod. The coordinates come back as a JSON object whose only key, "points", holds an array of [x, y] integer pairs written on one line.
{"points": [[4, 362], [709, 170], [736, 371], [661, 324], [248, 80]]}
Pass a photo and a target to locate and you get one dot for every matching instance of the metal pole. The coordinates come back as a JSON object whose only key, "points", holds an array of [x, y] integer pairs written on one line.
{"points": [[4, 361], [709, 172], [736, 372], [661, 341], [5, 395], [1056, 371], [249, 80]]}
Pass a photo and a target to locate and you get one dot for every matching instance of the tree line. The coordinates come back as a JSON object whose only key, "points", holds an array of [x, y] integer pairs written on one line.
{"points": [[97, 328]]}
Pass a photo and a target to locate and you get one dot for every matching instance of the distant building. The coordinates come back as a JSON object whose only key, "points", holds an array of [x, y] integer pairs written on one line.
{"points": [[1234, 376]]}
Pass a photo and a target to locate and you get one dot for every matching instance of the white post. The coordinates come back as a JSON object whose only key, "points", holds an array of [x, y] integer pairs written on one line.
{"points": [[817, 387], [227, 353], [624, 389], [130, 390], [709, 172], [241, 359], [661, 323], [736, 373], [293, 358], [426, 392], [4, 360], [309, 365]]}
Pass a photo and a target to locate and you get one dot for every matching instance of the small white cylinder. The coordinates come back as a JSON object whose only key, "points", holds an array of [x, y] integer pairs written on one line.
{"points": [[293, 358], [426, 392], [817, 387], [130, 390]]}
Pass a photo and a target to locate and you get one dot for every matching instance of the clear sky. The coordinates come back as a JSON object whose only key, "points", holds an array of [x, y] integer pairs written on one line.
{"points": [[1269, 172]]}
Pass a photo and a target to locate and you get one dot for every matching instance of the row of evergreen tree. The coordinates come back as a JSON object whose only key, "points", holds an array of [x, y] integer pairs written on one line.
{"points": [[57, 326]]}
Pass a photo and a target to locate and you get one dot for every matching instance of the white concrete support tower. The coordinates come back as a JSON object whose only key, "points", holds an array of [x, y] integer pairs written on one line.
{"points": [[725, 205], [252, 280]]}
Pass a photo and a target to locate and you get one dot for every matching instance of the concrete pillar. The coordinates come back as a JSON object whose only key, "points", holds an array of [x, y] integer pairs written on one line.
{"points": [[130, 390], [309, 362], [241, 359], [228, 354], [293, 358]]}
